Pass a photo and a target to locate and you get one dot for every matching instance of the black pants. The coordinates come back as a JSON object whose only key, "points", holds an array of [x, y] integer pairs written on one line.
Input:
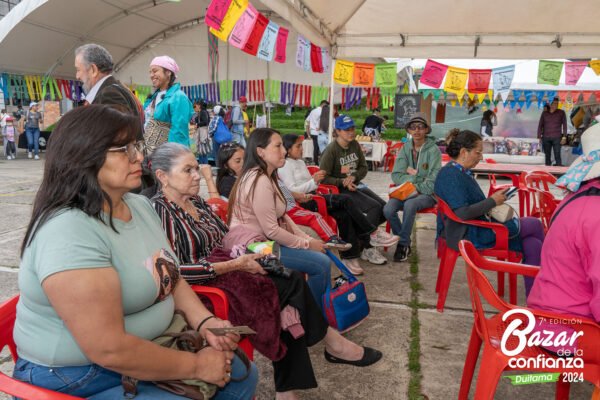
{"points": [[294, 371], [316, 152], [549, 144], [369, 203], [353, 225]]}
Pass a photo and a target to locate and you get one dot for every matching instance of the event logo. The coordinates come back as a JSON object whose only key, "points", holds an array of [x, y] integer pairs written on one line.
{"points": [[555, 335]]}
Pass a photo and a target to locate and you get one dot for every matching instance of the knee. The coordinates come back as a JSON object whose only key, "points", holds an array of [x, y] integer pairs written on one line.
{"points": [[390, 209]]}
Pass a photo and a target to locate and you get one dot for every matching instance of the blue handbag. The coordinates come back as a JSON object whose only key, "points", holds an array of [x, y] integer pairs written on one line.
{"points": [[346, 306], [222, 134]]}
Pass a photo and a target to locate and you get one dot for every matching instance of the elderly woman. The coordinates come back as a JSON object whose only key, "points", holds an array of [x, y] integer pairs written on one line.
{"points": [[196, 234], [98, 279], [168, 110], [456, 185]]}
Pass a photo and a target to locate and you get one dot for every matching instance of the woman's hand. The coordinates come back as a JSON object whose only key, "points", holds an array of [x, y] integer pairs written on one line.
{"points": [[411, 171], [306, 197], [228, 342], [247, 263], [319, 176], [213, 366], [316, 245], [499, 197], [206, 171]]}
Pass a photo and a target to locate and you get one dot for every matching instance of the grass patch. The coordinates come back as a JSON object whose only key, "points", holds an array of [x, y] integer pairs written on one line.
{"points": [[414, 349]]}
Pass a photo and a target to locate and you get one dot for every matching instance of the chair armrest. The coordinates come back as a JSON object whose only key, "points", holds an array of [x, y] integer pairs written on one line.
{"points": [[217, 297], [500, 230], [327, 189], [26, 391]]}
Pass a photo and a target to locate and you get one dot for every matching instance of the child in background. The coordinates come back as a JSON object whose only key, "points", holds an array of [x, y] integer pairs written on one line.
{"points": [[230, 158], [8, 132]]}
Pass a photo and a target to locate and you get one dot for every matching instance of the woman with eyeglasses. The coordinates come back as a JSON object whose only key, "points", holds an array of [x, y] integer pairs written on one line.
{"points": [[98, 279], [456, 185], [418, 162]]}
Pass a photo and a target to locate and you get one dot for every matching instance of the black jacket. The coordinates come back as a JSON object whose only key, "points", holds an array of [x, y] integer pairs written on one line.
{"points": [[113, 92]]}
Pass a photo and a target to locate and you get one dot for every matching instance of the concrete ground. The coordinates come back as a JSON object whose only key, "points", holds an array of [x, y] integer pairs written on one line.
{"points": [[443, 338]]}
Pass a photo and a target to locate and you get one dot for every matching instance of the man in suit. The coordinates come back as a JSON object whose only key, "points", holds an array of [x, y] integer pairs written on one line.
{"points": [[94, 66]]}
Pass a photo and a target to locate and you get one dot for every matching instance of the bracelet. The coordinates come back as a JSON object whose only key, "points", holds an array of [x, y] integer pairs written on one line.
{"points": [[203, 322]]}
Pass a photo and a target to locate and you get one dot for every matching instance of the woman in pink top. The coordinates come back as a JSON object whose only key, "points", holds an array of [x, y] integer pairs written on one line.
{"points": [[569, 277], [256, 202]]}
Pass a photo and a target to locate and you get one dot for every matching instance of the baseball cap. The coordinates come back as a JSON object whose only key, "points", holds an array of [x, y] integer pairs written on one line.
{"points": [[33, 103], [243, 99], [344, 122]]}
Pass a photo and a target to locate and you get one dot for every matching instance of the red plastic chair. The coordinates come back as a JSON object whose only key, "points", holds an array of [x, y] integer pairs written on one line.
{"points": [[546, 205], [323, 188], [322, 209], [494, 186], [445, 157], [489, 331], [449, 256], [389, 157], [534, 181], [219, 206]]}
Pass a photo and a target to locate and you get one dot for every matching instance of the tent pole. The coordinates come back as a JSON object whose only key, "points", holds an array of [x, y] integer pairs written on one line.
{"points": [[332, 87], [227, 78], [268, 96]]}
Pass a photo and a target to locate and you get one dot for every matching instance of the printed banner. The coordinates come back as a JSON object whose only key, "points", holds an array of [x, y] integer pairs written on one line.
{"points": [[306, 65], [256, 35], [300, 49], [456, 80], [549, 72], [364, 74], [479, 80], [385, 75], [595, 64], [502, 79], [281, 45], [243, 28], [433, 74], [325, 59], [236, 9], [343, 72], [215, 13], [573, 71], [316, 64], [266, 49]]}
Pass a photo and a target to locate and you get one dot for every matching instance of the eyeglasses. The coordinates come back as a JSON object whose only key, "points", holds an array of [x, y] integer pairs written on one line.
{"points": [[131, 149], [414, 127]]}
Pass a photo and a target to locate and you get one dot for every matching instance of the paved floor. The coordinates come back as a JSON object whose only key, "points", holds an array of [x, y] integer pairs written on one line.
{"points": [[443, 337]]}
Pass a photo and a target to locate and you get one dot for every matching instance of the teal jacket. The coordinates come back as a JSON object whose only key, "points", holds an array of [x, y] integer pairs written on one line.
{"points": [[427, 165], [176, 109]]}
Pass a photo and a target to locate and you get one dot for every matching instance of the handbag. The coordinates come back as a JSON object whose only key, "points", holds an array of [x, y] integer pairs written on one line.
{"points": [[346, 306], [502, 213], [403, 191], [204, 143], [180, 336], [222, 134]]}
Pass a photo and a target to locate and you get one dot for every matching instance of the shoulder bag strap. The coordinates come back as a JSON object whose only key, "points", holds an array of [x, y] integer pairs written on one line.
{"points": [[593, 191], [340, 265]]}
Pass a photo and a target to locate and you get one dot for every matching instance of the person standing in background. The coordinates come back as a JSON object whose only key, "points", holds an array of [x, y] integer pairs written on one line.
{"points": [[488, 122], [32, 130], [552, 125], [314, 120], [238, 122]]}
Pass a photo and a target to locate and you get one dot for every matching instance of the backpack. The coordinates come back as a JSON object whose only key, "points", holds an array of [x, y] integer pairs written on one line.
{"points": [[227, 118]]}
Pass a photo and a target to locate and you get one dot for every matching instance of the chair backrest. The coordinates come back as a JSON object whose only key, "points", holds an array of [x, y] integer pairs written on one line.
{"points": [[8, 314], [445, 210], [445, 157], [312, 169], [546, 205], [539, 180], [219, 206]]}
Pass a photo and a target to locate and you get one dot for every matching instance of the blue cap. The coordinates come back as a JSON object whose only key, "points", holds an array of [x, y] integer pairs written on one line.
{"points": [[344, 122]]}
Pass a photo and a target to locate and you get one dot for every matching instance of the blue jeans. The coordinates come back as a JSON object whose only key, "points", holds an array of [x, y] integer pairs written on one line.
{"points": [[323, 140], [202, 159], [409, 208], [97, 383], [315, 264], [216, 147], [33, 140]]}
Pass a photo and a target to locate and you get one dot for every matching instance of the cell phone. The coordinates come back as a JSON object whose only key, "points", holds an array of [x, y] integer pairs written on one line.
{"points": [[240, 330], [511, 192]]}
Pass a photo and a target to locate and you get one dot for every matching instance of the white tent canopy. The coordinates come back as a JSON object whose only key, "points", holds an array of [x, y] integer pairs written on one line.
{"points": [[533, 29]]}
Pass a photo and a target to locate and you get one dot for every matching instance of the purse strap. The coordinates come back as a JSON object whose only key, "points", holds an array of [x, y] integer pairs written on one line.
{"points": [[340, 265]]}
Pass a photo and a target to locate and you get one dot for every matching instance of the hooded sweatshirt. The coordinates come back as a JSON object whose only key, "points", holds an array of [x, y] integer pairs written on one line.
{"points": [[427, 162]]}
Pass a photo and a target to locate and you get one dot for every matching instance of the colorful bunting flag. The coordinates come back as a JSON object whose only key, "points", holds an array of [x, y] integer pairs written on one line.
{"points": [[215, 13], [479, 80], [549, 72], [325, 59], [364, 74], [343, 72], [266, 49], [281, 46], [236, 8], [573, 71], [502, 79], [243, 28], [456, 80], [300, 49], [595, 64], [306, 65], [256, 35], [433, 74], [386, 75], [316, 63]]}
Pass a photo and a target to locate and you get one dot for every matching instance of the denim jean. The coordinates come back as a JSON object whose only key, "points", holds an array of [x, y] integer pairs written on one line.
{"points": [[552, 144], [216, 147], [315, 264], [97, 383], [33, 140], [323, 140], [409, 208]]}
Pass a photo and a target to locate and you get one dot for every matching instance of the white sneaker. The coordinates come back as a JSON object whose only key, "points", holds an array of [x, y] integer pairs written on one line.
{"points": [[354, 266], [373, 256], [30, 155], [36, 157], [381, 238]]}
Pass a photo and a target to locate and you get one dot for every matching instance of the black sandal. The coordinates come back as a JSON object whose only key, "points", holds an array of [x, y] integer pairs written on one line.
{"points": [[370, 356]]}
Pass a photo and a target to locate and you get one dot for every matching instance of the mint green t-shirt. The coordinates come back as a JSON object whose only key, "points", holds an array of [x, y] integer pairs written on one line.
{"points": [[141, 255]]}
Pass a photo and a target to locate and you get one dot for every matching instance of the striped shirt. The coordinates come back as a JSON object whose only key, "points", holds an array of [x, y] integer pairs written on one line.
{"points": [[192, 241]]}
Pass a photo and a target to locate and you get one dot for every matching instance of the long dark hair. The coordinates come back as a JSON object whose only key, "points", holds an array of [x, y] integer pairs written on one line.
{"points": [[260, 137], [487, 115], [226, 151], [457, 140], [76, 152], [289, 139]]}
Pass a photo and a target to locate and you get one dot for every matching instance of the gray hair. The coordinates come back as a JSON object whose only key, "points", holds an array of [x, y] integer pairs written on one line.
{"points": [[95, 54], [165, 155]]}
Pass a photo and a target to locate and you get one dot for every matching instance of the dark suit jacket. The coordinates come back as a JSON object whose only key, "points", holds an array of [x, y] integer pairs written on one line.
{"points": [[112, 92]]}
